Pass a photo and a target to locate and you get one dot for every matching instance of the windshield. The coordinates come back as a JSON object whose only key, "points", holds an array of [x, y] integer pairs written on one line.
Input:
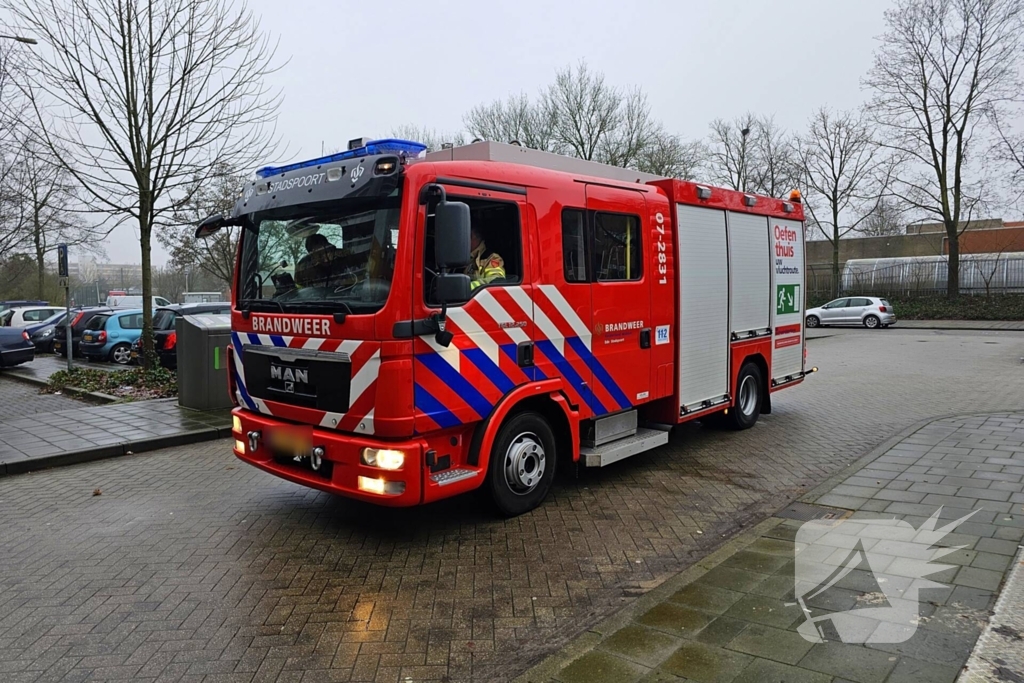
{"points": [[331, 257], [164, 320]]}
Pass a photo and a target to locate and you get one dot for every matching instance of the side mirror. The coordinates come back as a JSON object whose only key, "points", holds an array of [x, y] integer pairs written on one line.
{"points": [[452, 288], [451, 235], [210, 225]]}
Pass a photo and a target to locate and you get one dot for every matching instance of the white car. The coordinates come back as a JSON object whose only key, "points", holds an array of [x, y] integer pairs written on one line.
{"points": [[869, 311], [24, 316], [134, 301]]}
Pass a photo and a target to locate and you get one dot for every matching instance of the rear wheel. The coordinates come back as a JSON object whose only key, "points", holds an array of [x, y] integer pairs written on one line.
{"points": [[872, 322], [813, 321], [747, 407], [522, 465], [121, 354]]}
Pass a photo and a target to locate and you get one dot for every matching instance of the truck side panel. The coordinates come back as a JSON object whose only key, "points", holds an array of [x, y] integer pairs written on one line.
{"points": [[703, 259], [750, 267], [788, 309]]}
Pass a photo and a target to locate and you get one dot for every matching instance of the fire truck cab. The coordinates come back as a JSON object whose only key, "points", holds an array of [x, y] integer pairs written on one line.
{"points": [[409, 326]]}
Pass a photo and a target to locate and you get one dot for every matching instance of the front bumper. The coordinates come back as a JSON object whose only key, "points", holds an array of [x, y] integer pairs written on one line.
{"points": [[342, 451]]}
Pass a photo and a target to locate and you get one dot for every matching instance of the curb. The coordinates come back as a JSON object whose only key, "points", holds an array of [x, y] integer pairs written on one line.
{"points": [[959, 329], [546, 669], [113, 451], [92, 396]]}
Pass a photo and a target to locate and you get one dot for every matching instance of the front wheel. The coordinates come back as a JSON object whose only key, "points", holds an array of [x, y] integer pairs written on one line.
{"points": [[522, 465], [747, 407], [872, 322], [121, 354], [813, 321]]}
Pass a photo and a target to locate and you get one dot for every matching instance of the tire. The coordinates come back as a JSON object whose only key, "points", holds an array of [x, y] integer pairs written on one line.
{"points": [[872, 322], [813, 321], [522, 464], [121, 354], [747, 408]]}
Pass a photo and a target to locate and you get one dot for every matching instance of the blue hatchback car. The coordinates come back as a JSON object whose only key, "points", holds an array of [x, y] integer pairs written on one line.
{"points": [[110, 336]]}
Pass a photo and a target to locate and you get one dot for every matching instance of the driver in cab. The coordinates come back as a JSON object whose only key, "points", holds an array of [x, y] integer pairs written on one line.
{"points": [[324, 264], [483, 266]]}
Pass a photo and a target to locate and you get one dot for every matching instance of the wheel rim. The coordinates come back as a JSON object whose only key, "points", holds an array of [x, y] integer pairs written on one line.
{"points": [[872, 321], [748, 395], [121, 355], [525, 462], [812, 321]]}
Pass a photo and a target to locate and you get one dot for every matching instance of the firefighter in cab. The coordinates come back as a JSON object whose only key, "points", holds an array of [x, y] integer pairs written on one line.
{"points": [[484, 266]]}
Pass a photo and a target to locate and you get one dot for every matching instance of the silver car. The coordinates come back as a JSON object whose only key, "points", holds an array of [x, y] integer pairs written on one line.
{"points": [[869, 311]]}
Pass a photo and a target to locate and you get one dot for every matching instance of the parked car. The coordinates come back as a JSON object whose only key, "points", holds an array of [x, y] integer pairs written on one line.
{"points": [[78, 322], [135, 301], [869, 311], [15, 303], [42, 334], [109, 336], [165, 335], [15, 347], [23, 316]]}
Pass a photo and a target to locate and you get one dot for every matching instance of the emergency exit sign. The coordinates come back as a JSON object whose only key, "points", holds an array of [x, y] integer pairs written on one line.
{"points": [[787, 299]]}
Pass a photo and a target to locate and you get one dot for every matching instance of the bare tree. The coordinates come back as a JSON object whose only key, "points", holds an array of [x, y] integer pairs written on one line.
{"points": [[147, 97], [752, 154], [430, 137], [885, 219], [942, 66], [516, 118], [214, 255], [48, 207], [838, 161], [669, 156], [1009, 148]]}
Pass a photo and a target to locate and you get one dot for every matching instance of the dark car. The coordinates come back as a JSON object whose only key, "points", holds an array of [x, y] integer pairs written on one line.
{"points": [[78, 322], [42, 334], [165, 335], [15, 347]]}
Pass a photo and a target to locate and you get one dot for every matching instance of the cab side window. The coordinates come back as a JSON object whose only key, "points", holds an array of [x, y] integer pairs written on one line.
{"points": [[574, 245], [497, 260], [617, 252]]}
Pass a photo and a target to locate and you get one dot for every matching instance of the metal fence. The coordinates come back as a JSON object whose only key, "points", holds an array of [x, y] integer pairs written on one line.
{"points": [[922, 276]]}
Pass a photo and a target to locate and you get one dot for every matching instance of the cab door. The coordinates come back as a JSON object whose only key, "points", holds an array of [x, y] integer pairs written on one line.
{"points": [[619, 357]]}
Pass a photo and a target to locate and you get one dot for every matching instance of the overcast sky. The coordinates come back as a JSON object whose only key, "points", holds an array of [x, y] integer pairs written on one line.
{"points": [[362, 68]]}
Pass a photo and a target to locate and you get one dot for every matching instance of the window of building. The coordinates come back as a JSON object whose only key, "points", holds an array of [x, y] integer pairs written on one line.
{"points": [[498, 258], [574, 245], [617, 251]]}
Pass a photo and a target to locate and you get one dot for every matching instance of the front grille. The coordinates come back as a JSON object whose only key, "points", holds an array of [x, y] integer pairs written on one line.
{"points": [[310, 379]]}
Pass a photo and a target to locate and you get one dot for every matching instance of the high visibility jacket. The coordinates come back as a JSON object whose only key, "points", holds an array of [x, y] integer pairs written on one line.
{"points": [[483, 269]]}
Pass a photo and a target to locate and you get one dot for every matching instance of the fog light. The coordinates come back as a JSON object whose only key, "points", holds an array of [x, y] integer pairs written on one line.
{"points": [[380, 486], [236, 424], [383, 458], [240, 446]]}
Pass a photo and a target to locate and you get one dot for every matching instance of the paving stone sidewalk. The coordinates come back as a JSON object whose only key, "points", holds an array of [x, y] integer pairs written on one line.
{"points": [[91, 433], [734, 616]]}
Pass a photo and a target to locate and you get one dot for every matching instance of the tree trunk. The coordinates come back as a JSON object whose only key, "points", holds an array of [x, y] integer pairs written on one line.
{"points": [[953, 270], [37, 236], [145, 230]]}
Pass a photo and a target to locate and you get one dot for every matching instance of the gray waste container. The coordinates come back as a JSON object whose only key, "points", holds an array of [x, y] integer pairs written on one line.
{"points": [[203, 361]]}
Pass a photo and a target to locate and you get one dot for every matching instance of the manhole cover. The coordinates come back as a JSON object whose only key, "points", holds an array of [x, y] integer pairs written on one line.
{"points": [[805, 513]]}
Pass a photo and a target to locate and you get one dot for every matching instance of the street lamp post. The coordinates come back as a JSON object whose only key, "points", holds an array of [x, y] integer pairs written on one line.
{"points": [[22, 39], [743, 160]]}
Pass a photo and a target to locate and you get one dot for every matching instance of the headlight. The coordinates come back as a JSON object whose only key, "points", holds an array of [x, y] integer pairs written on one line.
{"points": [[47, 333], [236, 424], [383, 458]]}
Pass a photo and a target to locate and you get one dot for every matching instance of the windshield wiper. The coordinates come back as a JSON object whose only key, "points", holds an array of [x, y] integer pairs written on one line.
{"points": [[247, 306], [325, 306]]}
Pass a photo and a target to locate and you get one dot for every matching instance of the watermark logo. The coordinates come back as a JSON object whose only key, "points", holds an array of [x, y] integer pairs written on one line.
{"points": [[884, 561]]}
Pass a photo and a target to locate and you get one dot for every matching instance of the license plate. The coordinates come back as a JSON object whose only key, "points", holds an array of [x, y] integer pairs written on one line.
{"points": [[135, 354], [293, 441], [56, 346]]}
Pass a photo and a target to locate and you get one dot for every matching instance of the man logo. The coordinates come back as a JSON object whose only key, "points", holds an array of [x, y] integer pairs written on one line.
{"points": [[828, 551], [289, 376]]}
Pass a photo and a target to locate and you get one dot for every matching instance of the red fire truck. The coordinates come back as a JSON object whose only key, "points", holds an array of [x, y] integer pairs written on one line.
{"points": [[372, 359]]}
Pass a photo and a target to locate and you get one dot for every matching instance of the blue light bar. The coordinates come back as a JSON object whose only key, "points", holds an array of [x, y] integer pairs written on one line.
{"points": [[388, 146]]}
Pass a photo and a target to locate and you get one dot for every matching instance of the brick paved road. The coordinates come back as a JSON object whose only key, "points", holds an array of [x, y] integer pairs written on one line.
{"points": [[191, 566], [18, 399]]}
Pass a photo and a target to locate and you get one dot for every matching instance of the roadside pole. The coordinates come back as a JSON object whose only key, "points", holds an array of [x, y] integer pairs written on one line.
{"points": [[65, 282]]}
